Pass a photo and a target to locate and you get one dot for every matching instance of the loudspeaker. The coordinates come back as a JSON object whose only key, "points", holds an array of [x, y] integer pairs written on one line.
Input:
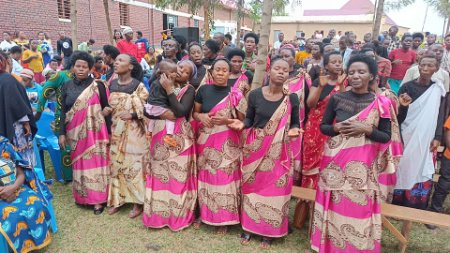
{"points": [[190, 33]]}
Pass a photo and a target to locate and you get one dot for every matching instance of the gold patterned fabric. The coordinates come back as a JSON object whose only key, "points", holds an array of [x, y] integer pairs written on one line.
{"points": [[129, 150]]}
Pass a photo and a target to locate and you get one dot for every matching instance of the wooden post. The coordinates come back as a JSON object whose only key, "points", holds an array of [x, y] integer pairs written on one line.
{"points": [[263, 46], [206, 16], [240, 7], [378, 17], [108, 21], [74, 23]]}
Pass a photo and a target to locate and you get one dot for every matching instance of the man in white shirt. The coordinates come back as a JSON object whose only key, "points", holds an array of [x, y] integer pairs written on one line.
{"points": [[441, 74], [16, 55], [445, 64], [279, 43], [7, 43]]}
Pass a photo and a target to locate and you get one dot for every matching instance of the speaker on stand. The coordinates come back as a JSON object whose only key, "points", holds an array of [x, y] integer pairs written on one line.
{"points": [[190, 33]]}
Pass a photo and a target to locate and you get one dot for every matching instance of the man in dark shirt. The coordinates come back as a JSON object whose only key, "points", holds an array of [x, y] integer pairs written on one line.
{"points": [[64, 47], [109, 56]]}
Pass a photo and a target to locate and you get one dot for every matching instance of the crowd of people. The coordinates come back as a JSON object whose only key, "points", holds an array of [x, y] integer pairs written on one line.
{"points": [[182, 138]]}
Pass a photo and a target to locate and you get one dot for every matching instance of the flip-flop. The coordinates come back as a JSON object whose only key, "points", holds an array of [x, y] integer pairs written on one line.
{"points": [[113, 210], [98, 211], [169, 140], [197, 224], [221, 230], [135, 213], [245, 239], [265, 243]]}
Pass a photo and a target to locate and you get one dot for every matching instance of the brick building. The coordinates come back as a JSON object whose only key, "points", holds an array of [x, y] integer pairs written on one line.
{"points": [[51, 16]]}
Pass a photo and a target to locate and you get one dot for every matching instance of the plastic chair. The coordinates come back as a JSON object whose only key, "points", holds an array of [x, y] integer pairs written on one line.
{"points": [[45, 139]]}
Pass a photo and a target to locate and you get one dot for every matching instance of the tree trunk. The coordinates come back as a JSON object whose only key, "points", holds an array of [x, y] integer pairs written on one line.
{"points": [[378, 17], [263, 46], [206, 15], [240, 7], [108, 21], [448, 26], [74, 23]]}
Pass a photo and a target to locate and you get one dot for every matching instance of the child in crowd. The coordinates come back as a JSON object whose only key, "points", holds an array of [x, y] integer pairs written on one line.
{"points": [[33, 90], [99, 68], [158, 101]]}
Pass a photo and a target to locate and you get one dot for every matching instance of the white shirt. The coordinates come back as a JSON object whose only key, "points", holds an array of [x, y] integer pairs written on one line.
{"points": [[446, 60], [441, 75], [277, 44], [17, 68], [6, 46]]}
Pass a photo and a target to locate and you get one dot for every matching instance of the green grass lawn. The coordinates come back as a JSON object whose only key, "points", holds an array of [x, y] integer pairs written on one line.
{"points": [[79, 230]]}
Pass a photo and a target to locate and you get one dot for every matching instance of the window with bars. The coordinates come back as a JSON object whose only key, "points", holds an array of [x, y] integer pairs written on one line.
{"points": [[124, 11], [172, 21], [196, 23], [64, 9]]}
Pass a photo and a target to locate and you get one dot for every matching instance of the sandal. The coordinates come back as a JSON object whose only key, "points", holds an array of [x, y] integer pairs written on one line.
{"points": [[221, 230], [265, 243], [170, 141], [245, 239], [197, 224], [113, 210], [99, 210], [135, 212]]}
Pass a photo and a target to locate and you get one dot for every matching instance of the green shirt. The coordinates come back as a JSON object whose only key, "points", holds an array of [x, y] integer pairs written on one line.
{"points": [[84, 47], [53, 85]]}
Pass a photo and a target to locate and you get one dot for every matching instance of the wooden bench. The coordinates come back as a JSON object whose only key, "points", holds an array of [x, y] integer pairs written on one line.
{"points": [[405, 214]]}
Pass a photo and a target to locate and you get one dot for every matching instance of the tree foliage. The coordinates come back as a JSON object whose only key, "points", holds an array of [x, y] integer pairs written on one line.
{"points": [[442, 7], [256, 9], [193, 5]]}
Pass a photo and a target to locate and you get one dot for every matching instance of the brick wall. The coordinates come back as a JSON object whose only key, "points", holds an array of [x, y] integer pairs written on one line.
{"points": [[91, 19]]}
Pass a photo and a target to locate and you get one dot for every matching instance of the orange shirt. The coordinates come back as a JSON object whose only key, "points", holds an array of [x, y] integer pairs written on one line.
{"points": [[301, 56], [447, 127]]}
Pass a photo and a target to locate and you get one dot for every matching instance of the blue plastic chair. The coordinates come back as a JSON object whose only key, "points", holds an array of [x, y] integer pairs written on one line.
{"points": [[45, 139]]}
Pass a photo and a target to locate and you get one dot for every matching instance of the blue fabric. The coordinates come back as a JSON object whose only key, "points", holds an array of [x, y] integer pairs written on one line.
{"points": [[25, 221], [395, 85], [33, 94], [143, 40]]}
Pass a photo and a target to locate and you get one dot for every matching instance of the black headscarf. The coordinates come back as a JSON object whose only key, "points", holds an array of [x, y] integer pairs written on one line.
{"points": [[14, 105]]}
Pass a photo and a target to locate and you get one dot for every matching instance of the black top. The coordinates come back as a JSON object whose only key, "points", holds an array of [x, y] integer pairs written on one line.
{"points": [[345, 105], [179, 108], [158, 95], [70, 92], [415, 90], [208, 61], [65, 46], [260, 110], [201, 72], [109, 72], [249, 75], [210, 95], [325, 91], [14, 105], [314, 72], [129, 89]]}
